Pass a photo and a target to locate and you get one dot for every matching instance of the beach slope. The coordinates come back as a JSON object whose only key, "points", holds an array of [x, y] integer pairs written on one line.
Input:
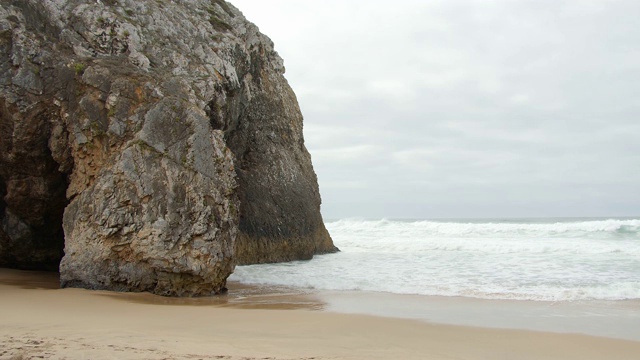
{"points": [[37, 320]]}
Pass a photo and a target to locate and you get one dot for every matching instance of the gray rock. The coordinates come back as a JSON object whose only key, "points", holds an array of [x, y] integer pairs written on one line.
{"points": [[158, 142]]}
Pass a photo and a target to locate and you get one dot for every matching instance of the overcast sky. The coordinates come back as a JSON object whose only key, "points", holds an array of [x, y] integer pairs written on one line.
{"points": [[440, 109]]}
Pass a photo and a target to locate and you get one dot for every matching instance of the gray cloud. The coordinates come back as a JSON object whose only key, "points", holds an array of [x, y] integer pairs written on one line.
{"points": [[465, 108]]}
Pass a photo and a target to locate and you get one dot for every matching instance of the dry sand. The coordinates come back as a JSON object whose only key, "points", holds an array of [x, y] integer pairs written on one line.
{"points": [[38, 321]]}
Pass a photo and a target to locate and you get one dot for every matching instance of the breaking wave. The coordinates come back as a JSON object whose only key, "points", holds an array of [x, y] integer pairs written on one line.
{"points": [[552, 260]]}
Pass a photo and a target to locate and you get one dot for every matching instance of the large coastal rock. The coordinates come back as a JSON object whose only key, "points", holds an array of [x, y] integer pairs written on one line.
{"points": [[156, 142]]}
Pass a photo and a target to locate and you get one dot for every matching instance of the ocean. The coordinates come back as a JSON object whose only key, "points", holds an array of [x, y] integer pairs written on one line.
{"points": [[554, 259], [559, 275]]}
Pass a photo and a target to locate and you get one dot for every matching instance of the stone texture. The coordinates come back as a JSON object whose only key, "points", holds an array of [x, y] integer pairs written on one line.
{"points": [[157, 140]]}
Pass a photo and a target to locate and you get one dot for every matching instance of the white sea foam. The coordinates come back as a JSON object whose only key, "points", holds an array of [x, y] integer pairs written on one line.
{"points": [[528, 260]]}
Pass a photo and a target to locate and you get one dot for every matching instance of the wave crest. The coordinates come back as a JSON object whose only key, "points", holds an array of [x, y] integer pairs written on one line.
{"points": [[629, 227]]}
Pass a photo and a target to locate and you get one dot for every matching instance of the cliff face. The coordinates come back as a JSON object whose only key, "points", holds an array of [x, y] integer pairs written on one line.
{"points": [[156, 141]]}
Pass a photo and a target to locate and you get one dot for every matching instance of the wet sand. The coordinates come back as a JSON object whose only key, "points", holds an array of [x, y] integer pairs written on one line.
{"points": [[614, 319], [38, 320]]}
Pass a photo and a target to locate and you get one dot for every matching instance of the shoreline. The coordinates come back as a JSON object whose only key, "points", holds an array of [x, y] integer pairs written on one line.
{"points": [[612, 319], [40, 320]]}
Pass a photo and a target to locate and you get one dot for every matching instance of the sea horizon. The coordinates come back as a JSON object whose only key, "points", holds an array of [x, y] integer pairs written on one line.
{"points": [[481, 218]]}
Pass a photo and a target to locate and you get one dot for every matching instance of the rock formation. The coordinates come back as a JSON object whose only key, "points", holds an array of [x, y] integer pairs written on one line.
{"points": [[157, 141]]}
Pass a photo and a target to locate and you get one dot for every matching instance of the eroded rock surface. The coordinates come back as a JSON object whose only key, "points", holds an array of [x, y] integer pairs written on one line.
{"points": [[157, 140]]}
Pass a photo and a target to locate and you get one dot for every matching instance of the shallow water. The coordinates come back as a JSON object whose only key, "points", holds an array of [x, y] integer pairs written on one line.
{"points": [[614, 319]]}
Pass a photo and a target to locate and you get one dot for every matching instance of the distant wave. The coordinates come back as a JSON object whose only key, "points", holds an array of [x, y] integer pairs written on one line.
{"points": [[478, 229]]}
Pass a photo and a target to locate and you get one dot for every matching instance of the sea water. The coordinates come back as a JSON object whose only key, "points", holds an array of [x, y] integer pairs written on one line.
{"points": [[525, 259]]}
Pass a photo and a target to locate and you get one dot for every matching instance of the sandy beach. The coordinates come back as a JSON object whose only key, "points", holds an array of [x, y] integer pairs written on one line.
{"points": [[40, 321]]}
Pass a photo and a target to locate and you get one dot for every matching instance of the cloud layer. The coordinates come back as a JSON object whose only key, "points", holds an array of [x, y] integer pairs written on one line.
{"points": [[465, 108]]}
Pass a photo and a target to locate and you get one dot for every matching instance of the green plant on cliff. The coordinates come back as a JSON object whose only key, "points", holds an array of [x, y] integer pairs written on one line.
{"points": [[216, 38], [143, 145], [216, 21], [218, 24], [79, 68], [97, 129], [224, 6]]}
